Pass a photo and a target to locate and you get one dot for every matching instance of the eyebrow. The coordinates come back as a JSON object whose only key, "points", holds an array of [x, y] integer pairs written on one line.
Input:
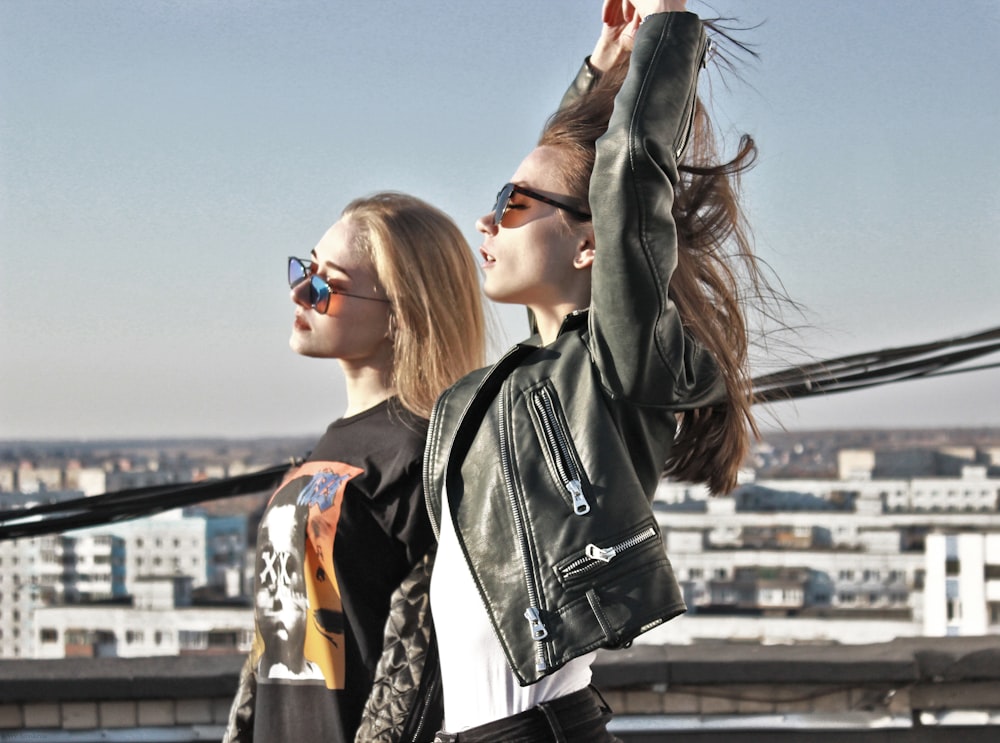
{"points": [[331, 265]]}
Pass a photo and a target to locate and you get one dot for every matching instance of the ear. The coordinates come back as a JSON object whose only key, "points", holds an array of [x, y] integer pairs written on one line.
{"points": [[584, 255]]}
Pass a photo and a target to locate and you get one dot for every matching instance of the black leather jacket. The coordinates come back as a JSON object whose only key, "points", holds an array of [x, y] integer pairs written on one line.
{"points": [[551, 457]]}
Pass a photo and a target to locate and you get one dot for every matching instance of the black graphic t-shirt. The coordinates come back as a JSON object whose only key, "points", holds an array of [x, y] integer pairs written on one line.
{"points": [[337, 537]]}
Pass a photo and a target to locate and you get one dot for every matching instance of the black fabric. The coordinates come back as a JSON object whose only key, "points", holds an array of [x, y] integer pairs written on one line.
{"points": [[338, 536], [575, 718]]}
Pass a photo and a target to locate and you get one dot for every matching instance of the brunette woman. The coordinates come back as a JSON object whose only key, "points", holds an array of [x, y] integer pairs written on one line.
{"points": [[621, 233]]}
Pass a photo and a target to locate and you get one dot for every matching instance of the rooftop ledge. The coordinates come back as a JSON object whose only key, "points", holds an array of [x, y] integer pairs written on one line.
{"points": [[900, 662], [943, 683]]}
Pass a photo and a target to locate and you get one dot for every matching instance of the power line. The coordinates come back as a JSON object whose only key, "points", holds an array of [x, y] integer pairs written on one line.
{"points": [[863, 370]]}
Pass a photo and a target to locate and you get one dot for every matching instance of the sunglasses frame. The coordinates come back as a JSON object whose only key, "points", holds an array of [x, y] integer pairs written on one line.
{"points": [[320, 291], [509, 189]]}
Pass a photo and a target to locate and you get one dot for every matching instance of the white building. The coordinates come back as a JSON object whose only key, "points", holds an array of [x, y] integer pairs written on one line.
{"points": [[836, 575], [161, 622], [18, 596], [107, 563], [973, 491], [51, 569], [962, 589], [164, 545]]}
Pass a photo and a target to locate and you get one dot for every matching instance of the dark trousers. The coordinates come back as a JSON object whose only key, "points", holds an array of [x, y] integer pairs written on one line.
{"points": [[580, 717]]}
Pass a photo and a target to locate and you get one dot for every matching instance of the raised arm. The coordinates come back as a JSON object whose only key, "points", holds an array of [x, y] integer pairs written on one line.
{"points": [[619, 22], [637, 337]]}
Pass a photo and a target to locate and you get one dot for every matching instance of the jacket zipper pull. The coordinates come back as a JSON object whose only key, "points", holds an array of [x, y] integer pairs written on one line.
{"points": [[580, 505], [538, 631], [596, 553]]}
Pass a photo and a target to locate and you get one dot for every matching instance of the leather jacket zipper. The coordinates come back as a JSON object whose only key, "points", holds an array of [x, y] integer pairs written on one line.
{"points": [[558, 444], [418, 733], [432, 425], [537, 627], [692, 102], [594, 556]]}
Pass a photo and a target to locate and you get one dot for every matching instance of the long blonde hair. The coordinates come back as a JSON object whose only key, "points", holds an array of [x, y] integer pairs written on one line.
{"points": [[429, 275]]}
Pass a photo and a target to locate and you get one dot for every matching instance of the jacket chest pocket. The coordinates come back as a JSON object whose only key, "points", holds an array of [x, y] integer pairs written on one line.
{"points": [[557, 446]]}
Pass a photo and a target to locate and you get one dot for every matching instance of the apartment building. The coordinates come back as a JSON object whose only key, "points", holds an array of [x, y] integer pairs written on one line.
{"points": [[962, 589], [161, 620], [834, 561]]}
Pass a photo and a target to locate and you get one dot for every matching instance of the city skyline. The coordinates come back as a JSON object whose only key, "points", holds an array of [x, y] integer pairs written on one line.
{"points": [[159, 160]]}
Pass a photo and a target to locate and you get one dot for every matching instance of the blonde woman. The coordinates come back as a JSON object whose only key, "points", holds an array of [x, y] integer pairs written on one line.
{"points": [[391, 292]]}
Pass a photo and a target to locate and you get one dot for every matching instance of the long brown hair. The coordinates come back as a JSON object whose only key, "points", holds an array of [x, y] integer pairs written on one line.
{"points": [[716, 272], [431, 279]]}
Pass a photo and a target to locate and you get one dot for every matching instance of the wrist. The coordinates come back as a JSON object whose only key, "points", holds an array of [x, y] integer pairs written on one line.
{"points": [[605, 55]]}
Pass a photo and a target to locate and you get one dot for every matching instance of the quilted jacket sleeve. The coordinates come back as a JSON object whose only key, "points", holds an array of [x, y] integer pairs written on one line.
{"points": [[240, 726], [405, 703]]}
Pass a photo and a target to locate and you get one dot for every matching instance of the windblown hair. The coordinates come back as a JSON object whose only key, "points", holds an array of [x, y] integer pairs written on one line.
{"points": [[424, 263], [716, 270]]}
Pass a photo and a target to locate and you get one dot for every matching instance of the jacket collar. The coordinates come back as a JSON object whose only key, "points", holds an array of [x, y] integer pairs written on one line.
{"points": [[572, 321]]}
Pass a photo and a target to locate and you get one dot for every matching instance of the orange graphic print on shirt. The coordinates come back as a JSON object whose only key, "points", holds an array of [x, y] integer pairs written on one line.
{"points": [[324, 641], [299, 611]]}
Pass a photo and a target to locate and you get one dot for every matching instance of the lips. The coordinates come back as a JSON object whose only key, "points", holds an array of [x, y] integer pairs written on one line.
{"points": [[300, 323], [488, 259]]}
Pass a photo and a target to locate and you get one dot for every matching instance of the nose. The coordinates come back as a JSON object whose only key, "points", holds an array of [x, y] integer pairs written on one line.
{"points": [[300, 294], [486, 224]]}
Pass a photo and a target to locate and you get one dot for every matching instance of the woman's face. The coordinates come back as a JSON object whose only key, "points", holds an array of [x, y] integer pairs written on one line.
{"points": [[531, 258], [354, 330]]}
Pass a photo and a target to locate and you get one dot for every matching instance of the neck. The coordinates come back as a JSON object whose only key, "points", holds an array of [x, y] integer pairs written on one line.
{"points": [[367, 386], [549, 319]]}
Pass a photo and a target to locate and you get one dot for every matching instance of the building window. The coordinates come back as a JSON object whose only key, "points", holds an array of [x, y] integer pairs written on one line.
{"points": [[994, 611], [193, 640], [49, 635]]}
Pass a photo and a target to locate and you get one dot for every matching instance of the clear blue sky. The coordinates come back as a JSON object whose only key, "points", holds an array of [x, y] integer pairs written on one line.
{"points": [[159, 160]]}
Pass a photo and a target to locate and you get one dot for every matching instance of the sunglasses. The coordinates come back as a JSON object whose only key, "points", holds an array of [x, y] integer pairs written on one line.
{"points": [[322, 297], [509, 189]]}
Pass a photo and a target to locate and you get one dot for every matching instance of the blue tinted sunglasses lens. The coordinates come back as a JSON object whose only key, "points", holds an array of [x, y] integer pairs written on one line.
{"points": [[297, 272], [319, 294]]}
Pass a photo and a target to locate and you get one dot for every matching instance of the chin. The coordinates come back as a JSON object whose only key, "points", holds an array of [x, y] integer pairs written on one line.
{"points": [[497, 294], [303, 349]]}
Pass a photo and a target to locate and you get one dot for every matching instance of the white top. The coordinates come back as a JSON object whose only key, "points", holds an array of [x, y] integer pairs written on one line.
{"points": [[479, 686]]}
